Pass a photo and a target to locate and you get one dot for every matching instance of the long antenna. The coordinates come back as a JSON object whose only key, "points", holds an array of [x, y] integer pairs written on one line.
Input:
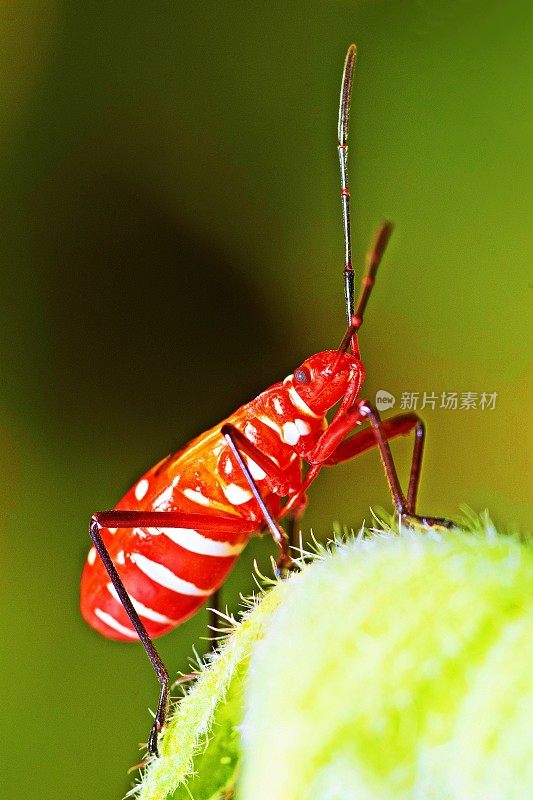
{"points": [[344, 113], [354, 317], [373, 260]]}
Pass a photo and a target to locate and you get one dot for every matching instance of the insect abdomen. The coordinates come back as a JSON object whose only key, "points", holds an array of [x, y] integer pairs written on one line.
{"points": [[170, 572]]}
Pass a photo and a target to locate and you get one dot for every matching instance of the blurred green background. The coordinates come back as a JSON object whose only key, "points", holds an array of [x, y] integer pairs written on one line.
{"points": [[171, 245]]}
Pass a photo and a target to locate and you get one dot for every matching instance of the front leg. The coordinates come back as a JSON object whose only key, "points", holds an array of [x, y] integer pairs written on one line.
{"points": [[333, 448], [405, 508], [400, 425], [342, 426]]}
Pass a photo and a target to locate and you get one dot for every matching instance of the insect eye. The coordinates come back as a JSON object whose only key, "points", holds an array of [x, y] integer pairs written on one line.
{"points": [[302, 375]]}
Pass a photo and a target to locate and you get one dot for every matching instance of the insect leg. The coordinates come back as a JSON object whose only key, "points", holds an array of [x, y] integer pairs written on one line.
{"points": [[401, 425], [362, 411], [239, 445], [359, 443], [168, 519], [402, 506], [157, 663]]}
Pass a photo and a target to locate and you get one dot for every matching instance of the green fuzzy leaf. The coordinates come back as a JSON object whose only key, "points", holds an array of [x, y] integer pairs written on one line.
{"points": [[200, 748], [216, 766], [392, 667], [407, 674]]}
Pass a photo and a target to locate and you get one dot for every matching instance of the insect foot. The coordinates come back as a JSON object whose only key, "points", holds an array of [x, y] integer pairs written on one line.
{"points": [[284, 566], [435, 523], [152, 741]]}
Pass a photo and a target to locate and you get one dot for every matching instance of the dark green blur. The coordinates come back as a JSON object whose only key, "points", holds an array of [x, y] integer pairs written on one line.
{"points": [[171, 245]]}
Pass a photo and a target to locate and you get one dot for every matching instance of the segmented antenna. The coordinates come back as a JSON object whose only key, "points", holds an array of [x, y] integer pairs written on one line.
{"points": [[344, 113], [354, 317], [373, 260]]}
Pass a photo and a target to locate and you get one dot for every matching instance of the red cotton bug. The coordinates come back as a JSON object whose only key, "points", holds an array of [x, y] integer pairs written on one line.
{"points": [[170, 542]]}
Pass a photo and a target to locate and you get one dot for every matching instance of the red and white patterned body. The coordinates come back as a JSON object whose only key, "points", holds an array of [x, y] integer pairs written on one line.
{"points": [[170, 572]]}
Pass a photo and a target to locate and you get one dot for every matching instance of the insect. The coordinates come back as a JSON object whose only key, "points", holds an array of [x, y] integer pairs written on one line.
{"points": [[170, 542]]}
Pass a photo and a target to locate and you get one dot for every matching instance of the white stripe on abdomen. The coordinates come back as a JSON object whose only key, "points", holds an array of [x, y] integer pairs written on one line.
{"points": [[166, 578], [114, 624], [194, 542], [142, 610]]}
